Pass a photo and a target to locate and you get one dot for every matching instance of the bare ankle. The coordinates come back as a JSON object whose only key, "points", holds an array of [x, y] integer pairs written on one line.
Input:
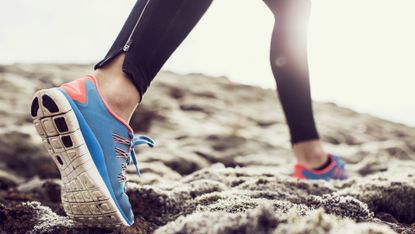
{"points": [[310, 153], [117, 89]]}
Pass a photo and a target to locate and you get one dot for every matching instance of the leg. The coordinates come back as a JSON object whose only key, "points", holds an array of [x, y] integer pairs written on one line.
{"points": [[152, 32], [83, 124], [290, 68]]}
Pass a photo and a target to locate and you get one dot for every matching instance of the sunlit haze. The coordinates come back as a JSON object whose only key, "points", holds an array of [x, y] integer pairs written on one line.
{"points": [[361, 52]]}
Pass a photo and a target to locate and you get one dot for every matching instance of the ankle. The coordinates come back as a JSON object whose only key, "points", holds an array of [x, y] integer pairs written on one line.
{"points": [[117, 89], [119, 93], [310, 153]]}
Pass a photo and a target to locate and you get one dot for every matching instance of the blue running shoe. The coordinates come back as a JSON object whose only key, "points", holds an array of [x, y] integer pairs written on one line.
{"points": [[335, 170], [91, 147]]}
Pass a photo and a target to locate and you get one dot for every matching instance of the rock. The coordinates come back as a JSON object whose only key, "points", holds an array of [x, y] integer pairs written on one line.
{"points": [[180, 161], [264, 220], [222, 164], [319, 222], [21, 155], [8, 180], [32, 217]]}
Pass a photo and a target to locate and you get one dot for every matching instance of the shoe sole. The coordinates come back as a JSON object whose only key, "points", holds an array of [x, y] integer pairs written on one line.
{"points": [[85, 197]]}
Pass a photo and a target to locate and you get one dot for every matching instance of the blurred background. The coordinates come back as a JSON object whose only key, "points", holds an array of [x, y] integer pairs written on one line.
{"points": [[223, 160], [361, 51]]}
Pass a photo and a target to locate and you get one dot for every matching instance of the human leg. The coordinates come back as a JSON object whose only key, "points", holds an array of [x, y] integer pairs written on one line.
{"points": [[84, 124], [152, 32], [290, 68]]}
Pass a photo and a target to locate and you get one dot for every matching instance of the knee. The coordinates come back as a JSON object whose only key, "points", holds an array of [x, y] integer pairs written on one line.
{"points": [[289, 8]]}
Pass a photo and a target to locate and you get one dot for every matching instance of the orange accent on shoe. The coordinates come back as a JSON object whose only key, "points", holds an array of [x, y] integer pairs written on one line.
{"points": [[76, 89], [297, 172]]}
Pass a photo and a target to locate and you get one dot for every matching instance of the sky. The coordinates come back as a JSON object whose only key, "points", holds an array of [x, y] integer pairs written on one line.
{"points": [[361, 52]]}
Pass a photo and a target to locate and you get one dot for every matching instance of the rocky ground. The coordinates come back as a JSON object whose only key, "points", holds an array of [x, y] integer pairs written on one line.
{"points": [[222, 164]]}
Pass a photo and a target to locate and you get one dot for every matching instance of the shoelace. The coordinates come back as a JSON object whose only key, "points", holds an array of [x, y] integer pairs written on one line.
{"points": [[133, 142], [136, 141]]}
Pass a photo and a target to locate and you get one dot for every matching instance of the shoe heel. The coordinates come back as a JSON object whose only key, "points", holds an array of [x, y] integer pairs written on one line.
{"points": [[85, 197]]}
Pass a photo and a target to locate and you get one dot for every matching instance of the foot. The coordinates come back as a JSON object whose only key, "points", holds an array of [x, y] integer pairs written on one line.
{"points": [[91, 146], [335, 169], [310, 153]]}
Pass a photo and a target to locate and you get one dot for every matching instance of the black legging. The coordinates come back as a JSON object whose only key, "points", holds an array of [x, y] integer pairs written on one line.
{"points": [[155, 28]]}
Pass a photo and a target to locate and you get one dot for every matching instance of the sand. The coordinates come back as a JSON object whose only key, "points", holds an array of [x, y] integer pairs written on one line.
{"points": [[222, 164]]}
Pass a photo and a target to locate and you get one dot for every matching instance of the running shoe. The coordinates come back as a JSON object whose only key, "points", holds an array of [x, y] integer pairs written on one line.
{"points": [[335, 170], [91, 147]]}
